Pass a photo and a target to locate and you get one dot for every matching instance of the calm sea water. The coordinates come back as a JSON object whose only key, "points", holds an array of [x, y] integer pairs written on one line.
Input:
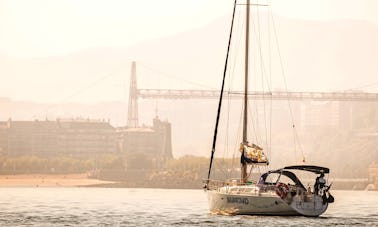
{"points": [[159, 207]]}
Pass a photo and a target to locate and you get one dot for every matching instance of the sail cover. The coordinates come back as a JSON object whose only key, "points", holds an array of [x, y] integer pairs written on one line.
{"points": [[253, 154]]}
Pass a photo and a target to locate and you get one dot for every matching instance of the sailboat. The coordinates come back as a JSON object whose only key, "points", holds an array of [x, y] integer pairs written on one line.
{"points": [[265, 197]]}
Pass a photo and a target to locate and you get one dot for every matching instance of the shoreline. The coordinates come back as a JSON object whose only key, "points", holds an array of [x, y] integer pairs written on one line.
{"points": [[50, 180], [83, 180]]}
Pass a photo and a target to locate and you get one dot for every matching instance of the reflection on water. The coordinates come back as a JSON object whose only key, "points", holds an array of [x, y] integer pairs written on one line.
{"points": [[151, 207]]}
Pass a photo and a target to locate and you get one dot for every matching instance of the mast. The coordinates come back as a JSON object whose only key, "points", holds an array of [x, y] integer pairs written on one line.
{"points": [[245, 117], [221, 94]]}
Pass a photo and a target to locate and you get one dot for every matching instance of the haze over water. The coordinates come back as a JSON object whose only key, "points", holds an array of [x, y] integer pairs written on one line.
{"points": [[71, 59], [159, 207]]}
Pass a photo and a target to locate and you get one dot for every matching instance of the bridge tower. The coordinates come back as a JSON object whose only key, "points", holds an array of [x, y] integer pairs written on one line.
{"points": [[132, 119]]}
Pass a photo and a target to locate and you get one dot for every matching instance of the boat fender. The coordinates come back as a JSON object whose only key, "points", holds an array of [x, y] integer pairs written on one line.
{"points": [[324, 197], [330, 198], [282, 190]]}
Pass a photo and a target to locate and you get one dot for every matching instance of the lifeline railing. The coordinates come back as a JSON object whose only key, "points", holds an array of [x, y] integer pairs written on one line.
{"points": [[215, 184]]}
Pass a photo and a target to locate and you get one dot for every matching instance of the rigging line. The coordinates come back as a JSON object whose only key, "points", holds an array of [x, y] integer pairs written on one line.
{"points": [[221, 166], [270, 128], [254, 112], [237, 143], [225, 149], [300, 146], [94, 83], [262, 72], [251, 112], [269, 48], [283, 75], [174, 77], [228, 122], [262, 64], [253, 125], [237, 45], [221, 93], [250, 172], [270, 80], [231, 77], [295, 146]]}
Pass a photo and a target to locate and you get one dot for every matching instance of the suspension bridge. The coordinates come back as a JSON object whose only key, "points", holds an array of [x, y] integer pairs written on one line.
{"points": [[136, 93]]}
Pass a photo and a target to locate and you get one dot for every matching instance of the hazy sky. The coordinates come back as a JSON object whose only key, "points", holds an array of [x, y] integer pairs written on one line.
{"points": [[41, 28], [45, 28]]}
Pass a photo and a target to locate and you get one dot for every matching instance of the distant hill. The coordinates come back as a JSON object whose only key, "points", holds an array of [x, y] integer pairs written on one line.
{"points": [[317, 55]]}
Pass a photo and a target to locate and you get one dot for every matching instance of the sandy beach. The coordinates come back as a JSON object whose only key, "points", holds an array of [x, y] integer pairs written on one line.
{"points": [[49, 180]]}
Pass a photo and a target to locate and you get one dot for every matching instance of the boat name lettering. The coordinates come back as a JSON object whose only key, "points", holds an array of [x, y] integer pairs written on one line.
{"points": [[237, 200]]}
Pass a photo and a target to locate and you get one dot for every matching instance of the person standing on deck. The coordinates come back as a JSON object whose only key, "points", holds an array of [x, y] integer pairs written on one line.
{"points": [[319, 183]]}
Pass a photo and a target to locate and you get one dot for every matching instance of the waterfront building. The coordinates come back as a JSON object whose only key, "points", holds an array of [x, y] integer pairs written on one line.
{"points": [[63, 137], [154, 141]]}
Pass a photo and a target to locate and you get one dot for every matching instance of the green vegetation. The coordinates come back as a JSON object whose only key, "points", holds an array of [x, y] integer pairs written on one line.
{"points": [[66, 164], [187, 171], [63, 164]]}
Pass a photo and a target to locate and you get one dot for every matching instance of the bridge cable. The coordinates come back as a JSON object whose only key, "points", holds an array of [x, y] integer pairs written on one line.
{"points": [[166, 75]]}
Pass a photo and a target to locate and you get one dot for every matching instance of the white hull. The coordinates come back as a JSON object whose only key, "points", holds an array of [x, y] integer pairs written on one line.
{"points": [[226, 201]]}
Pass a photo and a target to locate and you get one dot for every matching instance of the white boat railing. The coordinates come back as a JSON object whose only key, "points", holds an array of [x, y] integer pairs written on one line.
{"points": [[215, 184], [230, 186], [235, 186]]}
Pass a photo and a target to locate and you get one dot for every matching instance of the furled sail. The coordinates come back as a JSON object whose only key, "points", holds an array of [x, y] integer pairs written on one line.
{"points": [[253, 154]]}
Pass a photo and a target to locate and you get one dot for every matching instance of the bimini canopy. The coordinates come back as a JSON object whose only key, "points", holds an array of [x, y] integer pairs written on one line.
{"points": [[289, 174], [314, 169]]}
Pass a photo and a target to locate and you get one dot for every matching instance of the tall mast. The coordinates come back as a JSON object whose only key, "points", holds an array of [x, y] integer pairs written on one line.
{"points": [[221, 93], [245, 119]]}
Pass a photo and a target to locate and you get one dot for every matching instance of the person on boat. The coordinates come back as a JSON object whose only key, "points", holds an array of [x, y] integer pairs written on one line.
{"points": [[309, 190], [319, 183]]}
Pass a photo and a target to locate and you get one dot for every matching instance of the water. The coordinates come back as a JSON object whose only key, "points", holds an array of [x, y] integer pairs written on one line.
{"points": [[159, 207]]}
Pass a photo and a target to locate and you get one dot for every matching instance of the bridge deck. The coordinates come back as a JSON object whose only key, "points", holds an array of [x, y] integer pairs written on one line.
{"points": [[213, 94]]}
